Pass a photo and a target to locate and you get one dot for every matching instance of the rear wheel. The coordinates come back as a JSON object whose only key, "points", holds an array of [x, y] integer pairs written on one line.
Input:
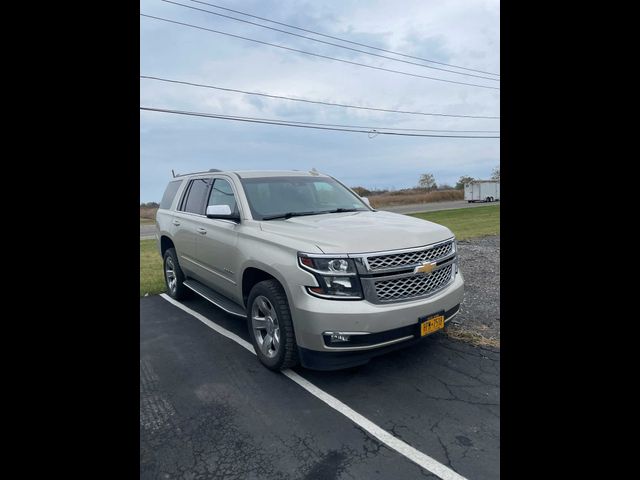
{"points": [[173, 276], [271, 327], [488, 199]]}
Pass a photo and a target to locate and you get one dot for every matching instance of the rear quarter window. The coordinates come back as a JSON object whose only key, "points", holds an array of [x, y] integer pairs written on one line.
{"points": [[170, 194]]}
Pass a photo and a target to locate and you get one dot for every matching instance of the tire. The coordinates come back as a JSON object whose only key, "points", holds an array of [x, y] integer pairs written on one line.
{"points": [[171, 268], [270, 326], [488, 199]]}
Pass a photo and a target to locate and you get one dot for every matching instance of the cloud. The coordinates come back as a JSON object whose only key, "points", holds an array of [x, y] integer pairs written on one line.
{"points": [[464, 33]]}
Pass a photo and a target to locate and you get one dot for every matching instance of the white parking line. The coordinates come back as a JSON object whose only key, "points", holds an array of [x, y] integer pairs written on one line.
{"points": [[416, 456]]}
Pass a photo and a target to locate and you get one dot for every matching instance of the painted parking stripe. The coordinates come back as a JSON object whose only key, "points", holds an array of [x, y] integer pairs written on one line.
{"points": [[421, 459]]}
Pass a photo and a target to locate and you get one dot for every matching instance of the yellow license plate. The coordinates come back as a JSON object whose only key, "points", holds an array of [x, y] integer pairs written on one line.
{"points": [[431, 325]]}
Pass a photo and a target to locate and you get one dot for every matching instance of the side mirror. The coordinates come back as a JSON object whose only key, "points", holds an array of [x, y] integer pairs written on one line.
{"points": [[222, 212], [366, 200]]}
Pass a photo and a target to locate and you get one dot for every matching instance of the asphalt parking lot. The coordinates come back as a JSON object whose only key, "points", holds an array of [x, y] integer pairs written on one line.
{"points": [[208, 409]]}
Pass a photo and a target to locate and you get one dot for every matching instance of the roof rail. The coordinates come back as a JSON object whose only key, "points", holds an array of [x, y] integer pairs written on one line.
{"points": [[195, 173]]}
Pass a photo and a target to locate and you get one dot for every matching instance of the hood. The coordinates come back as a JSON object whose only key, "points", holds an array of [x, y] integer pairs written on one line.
{"points": [[359, 232]]}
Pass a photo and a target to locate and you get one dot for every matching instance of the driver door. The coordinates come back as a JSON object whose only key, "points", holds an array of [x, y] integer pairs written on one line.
{"points": [[217, 242]]}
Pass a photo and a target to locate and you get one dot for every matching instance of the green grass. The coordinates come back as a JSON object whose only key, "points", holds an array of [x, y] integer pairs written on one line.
{"points": [[151, 276], [147, 221], [467, 222]]}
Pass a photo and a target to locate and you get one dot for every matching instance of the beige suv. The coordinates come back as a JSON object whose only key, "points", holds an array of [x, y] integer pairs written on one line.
{"points": [[320, 277]]}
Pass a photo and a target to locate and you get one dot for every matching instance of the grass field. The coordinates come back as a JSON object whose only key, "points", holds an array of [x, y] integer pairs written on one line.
{"points": [[151, 277], [467, 222], [407, 198], [146, 221], [464, 223]]}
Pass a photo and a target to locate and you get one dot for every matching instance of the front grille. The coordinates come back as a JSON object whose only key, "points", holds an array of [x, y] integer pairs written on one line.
{"points": [[413, 286], [411, 258]]}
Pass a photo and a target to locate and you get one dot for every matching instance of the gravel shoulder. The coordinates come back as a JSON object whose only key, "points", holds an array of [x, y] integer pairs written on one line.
{"points": [[479, 317]]}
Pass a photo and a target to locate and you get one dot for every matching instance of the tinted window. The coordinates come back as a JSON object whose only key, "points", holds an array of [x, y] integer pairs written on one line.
{"points": [[196, 195], [222, 194], [170, 193]]}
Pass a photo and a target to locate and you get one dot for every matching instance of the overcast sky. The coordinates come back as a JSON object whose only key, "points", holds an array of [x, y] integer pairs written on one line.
{"points": [[464, 32]]}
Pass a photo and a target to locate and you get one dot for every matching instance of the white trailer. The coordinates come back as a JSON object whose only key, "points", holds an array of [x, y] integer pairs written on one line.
{"points": [[482, 191]]}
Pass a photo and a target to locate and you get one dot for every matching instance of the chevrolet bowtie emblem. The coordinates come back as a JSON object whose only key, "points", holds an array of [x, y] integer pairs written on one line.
{"points": [[425, 267]]}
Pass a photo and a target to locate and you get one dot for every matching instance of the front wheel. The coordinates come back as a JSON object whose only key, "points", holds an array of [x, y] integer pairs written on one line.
{"points": [[271, 327]]}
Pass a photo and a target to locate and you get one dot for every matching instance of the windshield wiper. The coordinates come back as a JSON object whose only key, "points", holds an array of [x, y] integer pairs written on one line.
{"points": [[341, 210], [289, 215], [301, 214]]}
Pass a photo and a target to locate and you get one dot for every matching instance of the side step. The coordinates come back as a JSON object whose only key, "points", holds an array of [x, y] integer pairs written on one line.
{"points": [[214, 297]]}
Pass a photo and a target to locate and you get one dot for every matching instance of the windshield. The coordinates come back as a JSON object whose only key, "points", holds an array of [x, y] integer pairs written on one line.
{"points": [[278, 196]]}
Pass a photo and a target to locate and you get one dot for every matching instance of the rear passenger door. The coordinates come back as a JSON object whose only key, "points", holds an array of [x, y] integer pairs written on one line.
{"points": [[187, 220]]}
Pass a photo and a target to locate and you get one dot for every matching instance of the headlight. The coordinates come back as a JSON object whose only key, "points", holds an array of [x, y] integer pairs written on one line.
{"points": [[337, 277]]}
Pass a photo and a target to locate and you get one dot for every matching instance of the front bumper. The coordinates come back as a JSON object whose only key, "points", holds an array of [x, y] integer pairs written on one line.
{"points": [[314, 316], [339, 358]]}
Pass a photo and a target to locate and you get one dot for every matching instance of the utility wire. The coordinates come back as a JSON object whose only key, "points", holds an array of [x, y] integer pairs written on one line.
{"points": [[314, 101], [317, 126], [329, 43], [343, 39], [317, 54]]}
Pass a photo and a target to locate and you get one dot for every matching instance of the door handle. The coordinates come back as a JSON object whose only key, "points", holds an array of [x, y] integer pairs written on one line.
{"points": [[202, 231], [176, 223]]}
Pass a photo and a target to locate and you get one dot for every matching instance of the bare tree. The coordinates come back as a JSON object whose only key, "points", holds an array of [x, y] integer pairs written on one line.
{"points": [[495, 173], [462, 180], [427, 181]]}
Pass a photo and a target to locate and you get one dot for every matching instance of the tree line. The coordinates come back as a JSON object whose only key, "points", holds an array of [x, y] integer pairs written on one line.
{"points": [[428, 182]]}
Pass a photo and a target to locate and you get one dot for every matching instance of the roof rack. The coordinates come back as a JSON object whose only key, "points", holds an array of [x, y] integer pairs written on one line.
{"points": [[195, 173]]}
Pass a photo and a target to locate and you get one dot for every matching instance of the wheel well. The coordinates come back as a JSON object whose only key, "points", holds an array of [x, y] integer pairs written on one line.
{"points": [[165, 244], [251, 277]]}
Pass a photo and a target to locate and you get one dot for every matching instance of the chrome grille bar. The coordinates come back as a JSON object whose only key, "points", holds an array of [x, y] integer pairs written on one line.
{"points": [[385, 278], [395, 261]]}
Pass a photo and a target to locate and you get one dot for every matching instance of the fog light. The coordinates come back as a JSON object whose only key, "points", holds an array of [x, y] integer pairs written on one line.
{"points": [[339, 283], [339, 337]]}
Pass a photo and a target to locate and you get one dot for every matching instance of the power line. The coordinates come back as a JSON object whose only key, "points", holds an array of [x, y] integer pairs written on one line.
{"points": [[314, 101], [317, 126], [329, 43], [317, 54], [343, 39]]}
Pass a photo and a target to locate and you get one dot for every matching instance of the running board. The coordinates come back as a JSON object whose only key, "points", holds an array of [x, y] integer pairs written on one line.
{"points": [[214, 297]]}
